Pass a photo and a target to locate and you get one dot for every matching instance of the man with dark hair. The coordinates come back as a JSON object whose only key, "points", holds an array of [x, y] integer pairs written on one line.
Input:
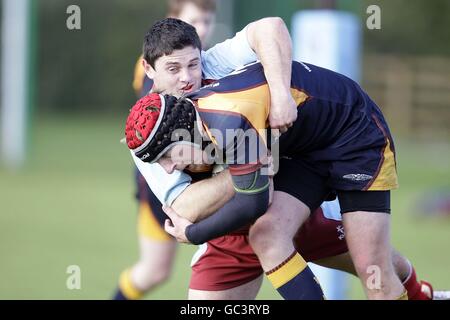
{"points": [[198, 13], [166, 36], [160, 42]]}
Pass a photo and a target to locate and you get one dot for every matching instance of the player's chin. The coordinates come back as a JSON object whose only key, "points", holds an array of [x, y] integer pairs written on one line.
{"points": [[181, 167], [185, 92], [199, 167]]}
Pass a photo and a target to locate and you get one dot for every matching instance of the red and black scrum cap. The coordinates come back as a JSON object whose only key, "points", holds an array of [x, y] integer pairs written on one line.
{"points": [[151, 122]]}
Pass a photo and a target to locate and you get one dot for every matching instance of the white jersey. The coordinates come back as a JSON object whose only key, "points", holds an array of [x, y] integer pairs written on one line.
{"points": [[227, 56], [217, 62]]}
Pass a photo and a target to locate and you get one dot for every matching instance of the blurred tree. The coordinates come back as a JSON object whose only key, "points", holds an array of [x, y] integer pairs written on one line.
{"points": [[91, 69], [410, 27]]}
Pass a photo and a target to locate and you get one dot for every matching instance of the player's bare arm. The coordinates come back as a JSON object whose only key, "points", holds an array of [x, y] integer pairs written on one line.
{"points": [[270, 39], [203, 198], [250, 201]]}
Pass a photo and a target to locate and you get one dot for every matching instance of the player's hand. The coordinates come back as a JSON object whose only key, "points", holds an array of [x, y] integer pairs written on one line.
{"points": [[176, 226], [283, 112]]}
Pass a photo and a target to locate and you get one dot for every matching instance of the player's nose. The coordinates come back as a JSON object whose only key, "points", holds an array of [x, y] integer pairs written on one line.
{"points": [[185, 76]]}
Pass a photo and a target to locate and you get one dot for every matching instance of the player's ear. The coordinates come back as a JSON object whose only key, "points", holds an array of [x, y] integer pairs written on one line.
{"points": [[149, 71]]}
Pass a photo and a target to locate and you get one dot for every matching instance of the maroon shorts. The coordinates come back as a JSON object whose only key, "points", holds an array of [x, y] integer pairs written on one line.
{"points": [[229, 261]]}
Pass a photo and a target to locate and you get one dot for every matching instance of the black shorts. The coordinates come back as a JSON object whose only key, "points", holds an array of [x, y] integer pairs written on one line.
{"points": [[357, 162], [309, 184]]}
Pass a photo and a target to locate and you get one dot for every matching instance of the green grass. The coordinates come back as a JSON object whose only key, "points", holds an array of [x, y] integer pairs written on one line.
{"points": [[73, 204]]}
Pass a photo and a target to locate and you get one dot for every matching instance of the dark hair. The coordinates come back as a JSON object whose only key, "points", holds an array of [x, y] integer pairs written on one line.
{"points": [[168, 35], [175, 6]]}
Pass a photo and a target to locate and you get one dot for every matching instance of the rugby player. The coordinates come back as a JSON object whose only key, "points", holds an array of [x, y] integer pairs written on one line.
{"points": [[339, 129], [217, 275]]}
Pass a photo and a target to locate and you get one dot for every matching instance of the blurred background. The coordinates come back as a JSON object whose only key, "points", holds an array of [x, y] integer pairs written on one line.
{"points": [[66, 183]]}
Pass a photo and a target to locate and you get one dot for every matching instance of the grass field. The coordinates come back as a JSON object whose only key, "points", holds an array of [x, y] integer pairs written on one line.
{"points": [[73, 205]]}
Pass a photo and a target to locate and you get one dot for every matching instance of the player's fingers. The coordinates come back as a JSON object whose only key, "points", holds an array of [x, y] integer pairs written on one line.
{"points": [[168, 226], [169, 211], [283, 129]]}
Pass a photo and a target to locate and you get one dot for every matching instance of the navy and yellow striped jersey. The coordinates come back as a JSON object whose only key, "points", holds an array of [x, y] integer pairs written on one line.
{"points": [[332, 111]]}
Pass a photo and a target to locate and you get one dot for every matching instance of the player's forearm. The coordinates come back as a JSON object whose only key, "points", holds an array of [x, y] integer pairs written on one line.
{"points": [[270, 39], [249, 203], [242, 210], [205, 197]]}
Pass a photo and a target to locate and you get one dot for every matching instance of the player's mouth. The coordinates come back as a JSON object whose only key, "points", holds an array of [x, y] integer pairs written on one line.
{"points": [[187, 88]]}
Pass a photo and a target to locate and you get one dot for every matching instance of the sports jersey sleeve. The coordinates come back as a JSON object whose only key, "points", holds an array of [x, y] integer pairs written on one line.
{"points": [[227, 56], [166, 187]]}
